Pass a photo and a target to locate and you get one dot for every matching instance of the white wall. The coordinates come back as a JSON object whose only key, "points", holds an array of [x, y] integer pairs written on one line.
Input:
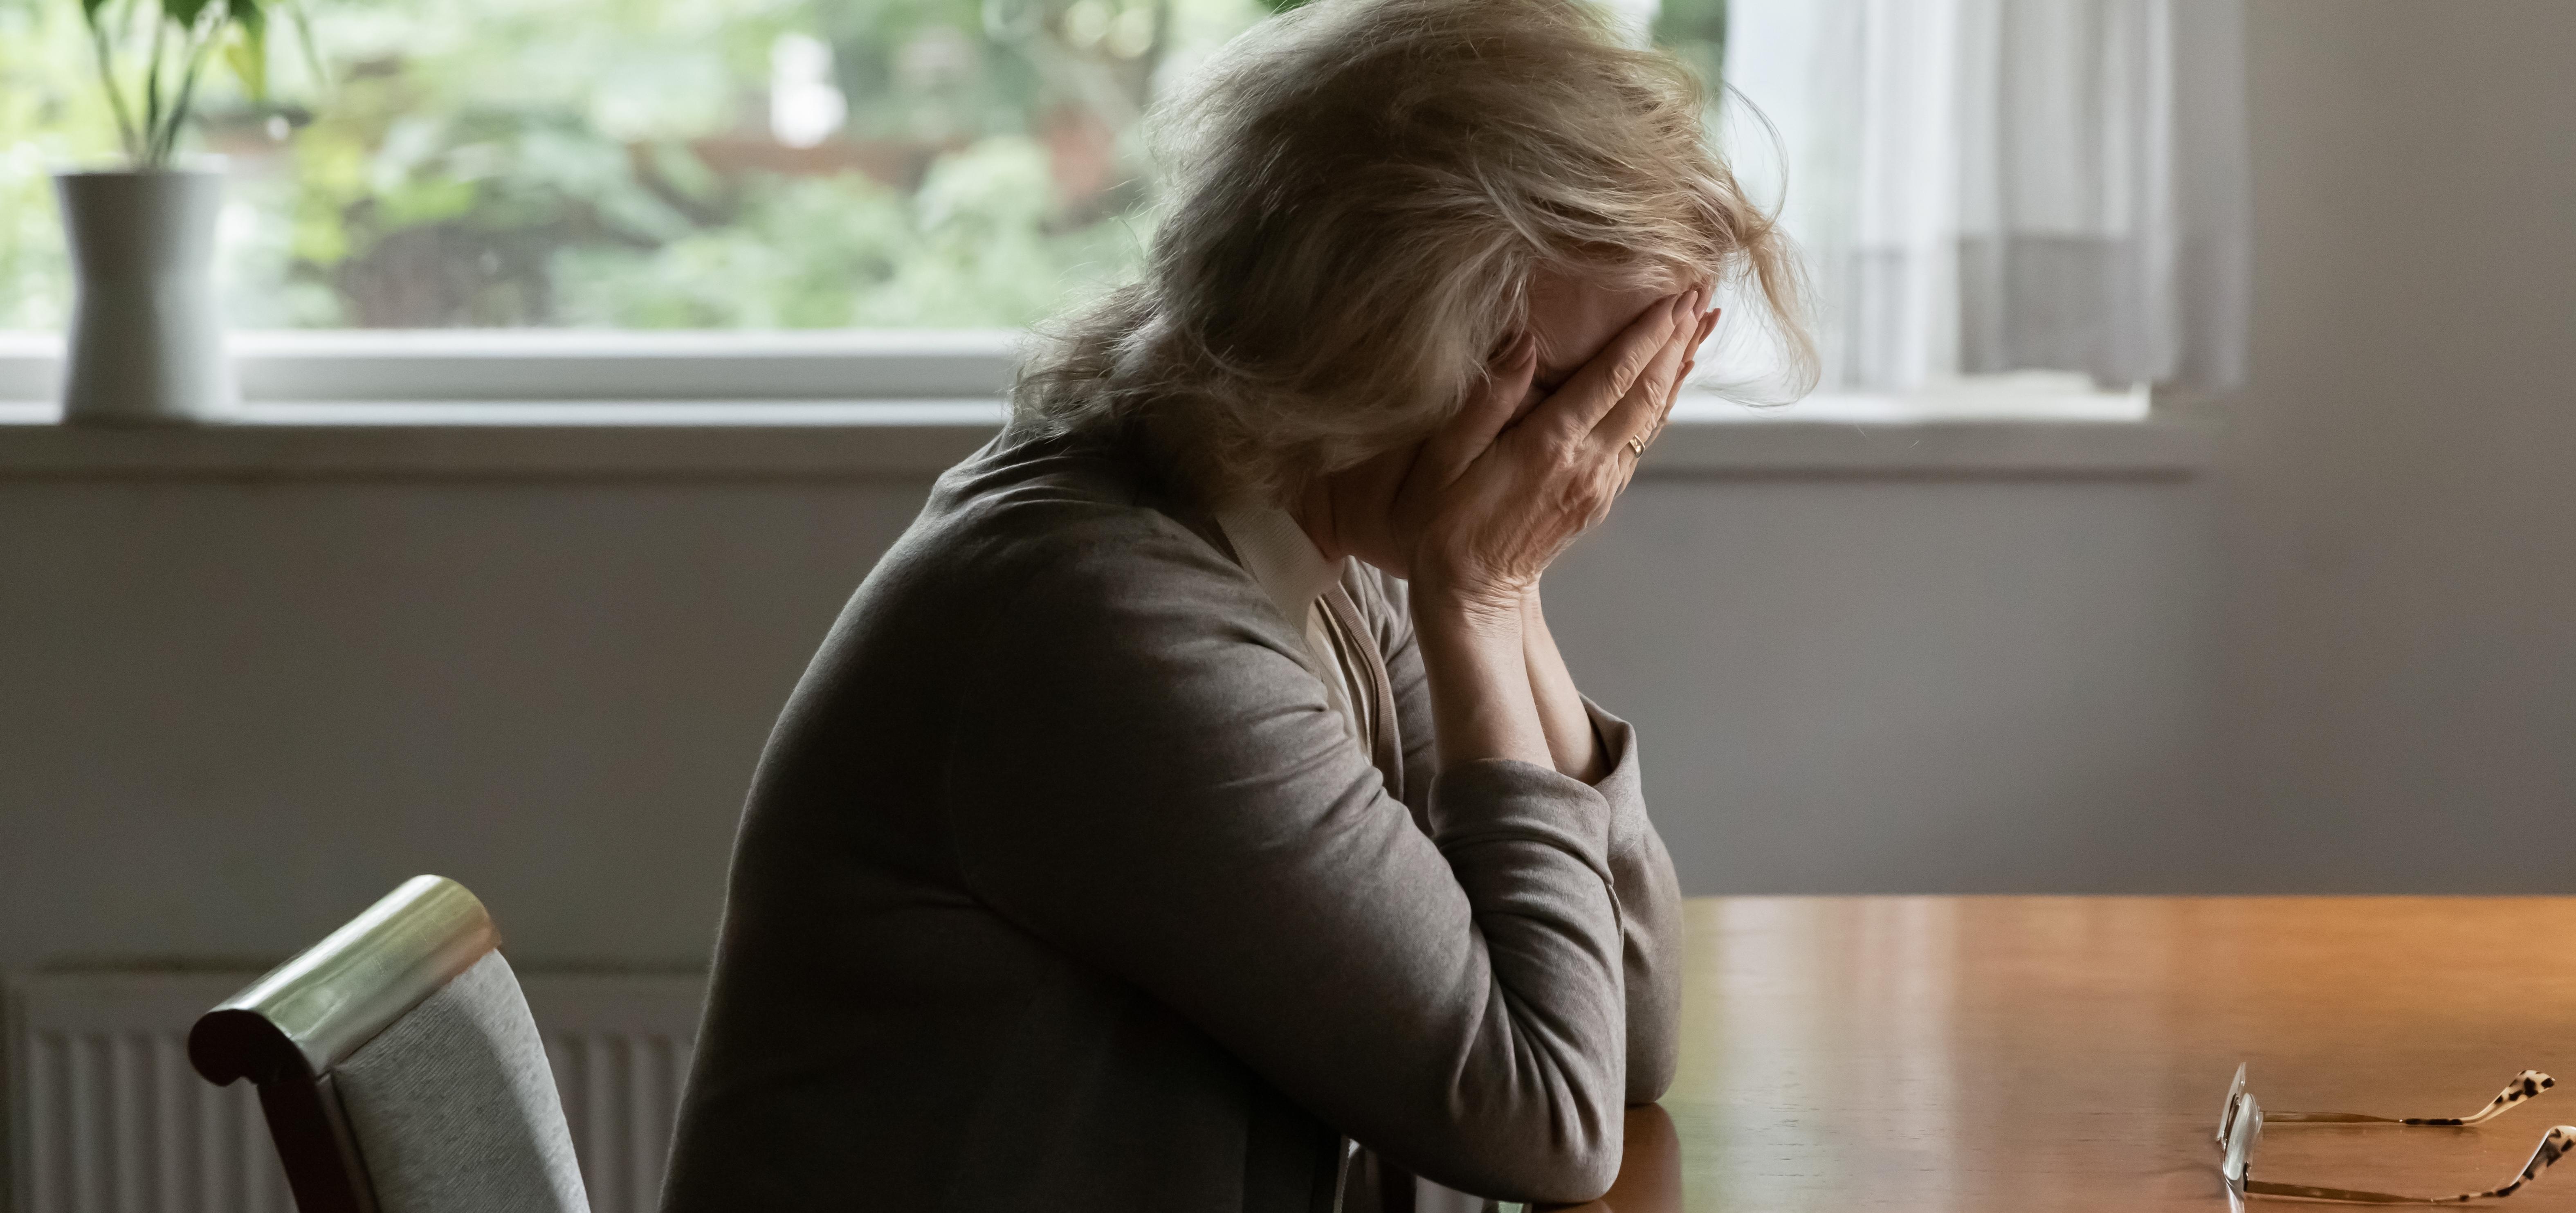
{"points": [[1907, 685], [234, 712], [2398, 492]]}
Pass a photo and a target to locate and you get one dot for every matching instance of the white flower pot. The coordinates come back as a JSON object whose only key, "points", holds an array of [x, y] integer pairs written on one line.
{"points": [[147, 340]]}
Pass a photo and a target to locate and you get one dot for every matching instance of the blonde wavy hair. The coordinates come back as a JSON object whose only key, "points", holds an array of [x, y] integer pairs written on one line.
{"points": [[1359, 193]]}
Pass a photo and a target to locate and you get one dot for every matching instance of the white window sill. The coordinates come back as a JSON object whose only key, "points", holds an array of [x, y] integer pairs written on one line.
{"points": [[893, 438], [468, 365], [572, 404]]}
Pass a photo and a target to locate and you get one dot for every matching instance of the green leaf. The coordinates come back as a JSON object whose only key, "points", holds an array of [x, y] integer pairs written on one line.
{"points": [[183, 13], [89, 11], [304, 42], [247, 54], [179, 109]]}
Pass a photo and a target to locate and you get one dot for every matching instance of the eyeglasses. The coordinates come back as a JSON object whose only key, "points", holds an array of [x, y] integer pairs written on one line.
{"points": [[2526, 1085], [2240, 1125]]}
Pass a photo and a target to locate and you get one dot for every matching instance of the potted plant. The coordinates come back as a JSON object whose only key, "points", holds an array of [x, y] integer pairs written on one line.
{"points": [[146, 337]]}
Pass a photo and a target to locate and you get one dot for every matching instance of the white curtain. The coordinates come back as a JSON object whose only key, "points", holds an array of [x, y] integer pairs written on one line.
{"points": [[1988, 186]]}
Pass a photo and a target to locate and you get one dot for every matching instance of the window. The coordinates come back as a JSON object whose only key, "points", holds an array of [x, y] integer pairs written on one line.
{"points": [[1998, 200], [580, 170]]}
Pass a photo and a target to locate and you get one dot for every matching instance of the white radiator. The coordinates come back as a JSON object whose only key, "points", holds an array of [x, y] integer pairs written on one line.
{"points": [[620, 1044], [105, 1115]]}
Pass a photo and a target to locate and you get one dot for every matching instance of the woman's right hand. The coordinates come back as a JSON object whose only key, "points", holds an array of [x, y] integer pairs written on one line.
{"points": [[1493, 498]]}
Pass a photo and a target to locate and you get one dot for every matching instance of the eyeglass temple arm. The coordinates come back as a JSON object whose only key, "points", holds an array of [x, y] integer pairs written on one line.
{"points": [[2560, 1142], [2526, 1085], [2347, 1196]]}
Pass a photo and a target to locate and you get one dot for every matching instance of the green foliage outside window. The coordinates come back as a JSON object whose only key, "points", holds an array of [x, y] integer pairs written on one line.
{"points": [[614, 162], [625, 163], [1695, 30]]}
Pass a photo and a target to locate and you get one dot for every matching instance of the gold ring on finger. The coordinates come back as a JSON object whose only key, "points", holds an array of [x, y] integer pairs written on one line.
{"points": [[1637, 446]]}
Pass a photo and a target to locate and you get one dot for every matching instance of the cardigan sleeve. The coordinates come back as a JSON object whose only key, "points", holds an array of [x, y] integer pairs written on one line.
{"points": [[1143, 775], [1650, 898]]}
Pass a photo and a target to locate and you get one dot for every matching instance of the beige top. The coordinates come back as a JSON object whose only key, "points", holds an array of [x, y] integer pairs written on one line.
{"points": [[1295, 575], [1062, 888], [1288, 567]]}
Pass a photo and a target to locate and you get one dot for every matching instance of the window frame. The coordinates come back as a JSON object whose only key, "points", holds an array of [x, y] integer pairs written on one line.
{"points": [[839, 406], [364, 366], [508, 376]]}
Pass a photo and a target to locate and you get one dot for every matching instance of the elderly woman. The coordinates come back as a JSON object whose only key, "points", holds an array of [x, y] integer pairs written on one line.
{"points": [[1191, 812]]}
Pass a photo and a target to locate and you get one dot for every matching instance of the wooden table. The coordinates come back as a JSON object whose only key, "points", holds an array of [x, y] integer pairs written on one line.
{"points": [[2009, 1053]]}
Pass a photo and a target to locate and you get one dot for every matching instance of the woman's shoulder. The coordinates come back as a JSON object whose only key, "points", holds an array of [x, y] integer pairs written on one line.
{"points": [[1067, 516]]}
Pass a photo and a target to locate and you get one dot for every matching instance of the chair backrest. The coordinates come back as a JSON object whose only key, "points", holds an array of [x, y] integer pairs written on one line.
{"points": [[399, 1068]]}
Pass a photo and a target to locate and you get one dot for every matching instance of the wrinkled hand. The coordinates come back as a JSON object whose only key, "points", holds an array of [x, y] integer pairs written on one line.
{"points": [[1486, 504]]}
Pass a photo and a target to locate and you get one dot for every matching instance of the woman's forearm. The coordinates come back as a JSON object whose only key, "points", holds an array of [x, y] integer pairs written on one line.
{"points": [[1571, 741], [1474, 659], [1641, 872]]}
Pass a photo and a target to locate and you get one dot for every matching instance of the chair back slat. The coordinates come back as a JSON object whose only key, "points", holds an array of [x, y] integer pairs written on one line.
{"points": [[399, 1068], [454, 1106], [336, 995]]}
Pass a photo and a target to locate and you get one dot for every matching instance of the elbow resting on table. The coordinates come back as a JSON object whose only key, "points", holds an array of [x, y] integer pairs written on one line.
{"points": [[1564, 1157], [1571, 1177], [1650, 1073]]}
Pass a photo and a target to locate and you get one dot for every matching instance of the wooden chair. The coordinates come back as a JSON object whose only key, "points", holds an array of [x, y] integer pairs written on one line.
{"points": [[399, 1068]]}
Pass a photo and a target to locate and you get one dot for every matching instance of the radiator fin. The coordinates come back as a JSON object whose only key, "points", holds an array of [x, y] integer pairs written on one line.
{"points": [[110, 1118], [116, 1122], [620, 1091]]}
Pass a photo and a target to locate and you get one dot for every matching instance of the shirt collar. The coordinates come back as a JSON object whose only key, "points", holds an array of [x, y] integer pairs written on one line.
{"points": [[1276, 551]]}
